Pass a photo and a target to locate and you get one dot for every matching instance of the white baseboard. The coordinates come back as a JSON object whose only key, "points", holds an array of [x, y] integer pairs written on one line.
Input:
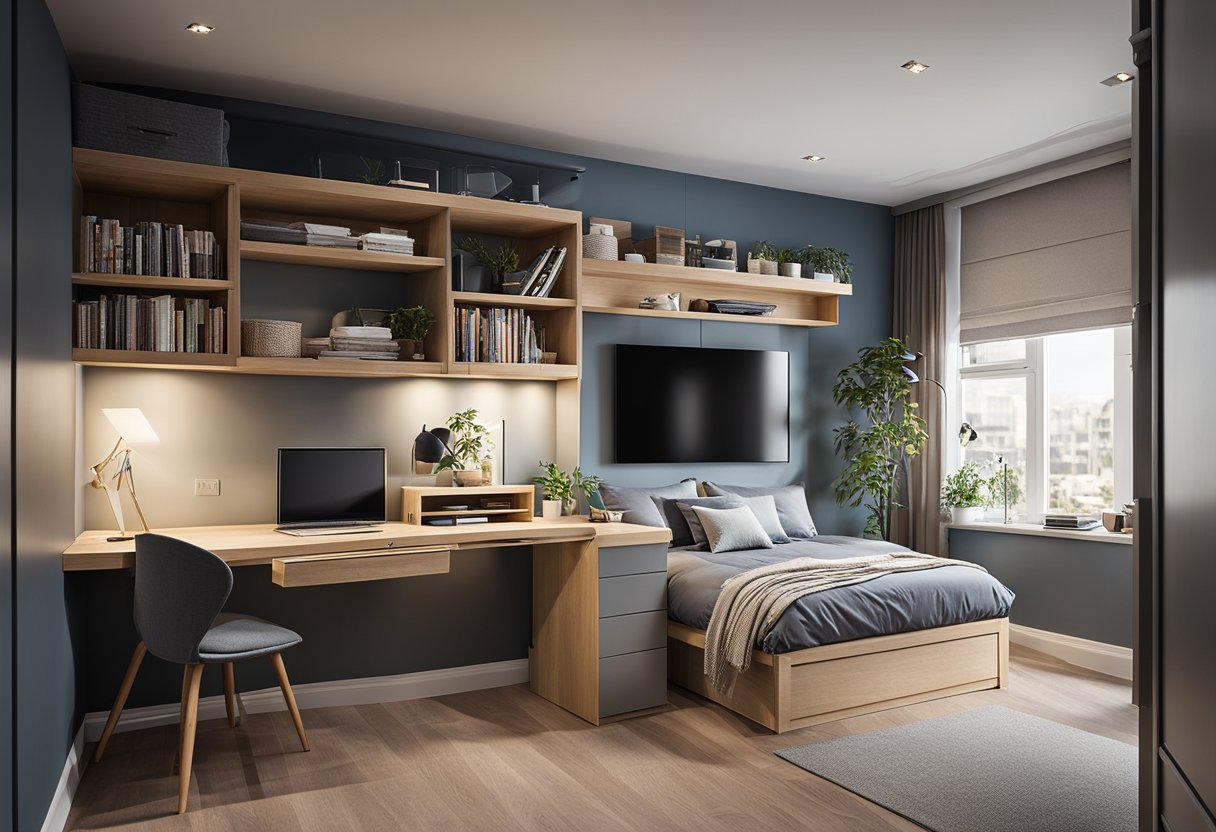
{"points": [[1092, 655], [368, 691], [65, 792]]}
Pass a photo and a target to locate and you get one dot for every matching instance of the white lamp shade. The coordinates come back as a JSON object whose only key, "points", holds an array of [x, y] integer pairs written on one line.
{"points": [[131, 425]]}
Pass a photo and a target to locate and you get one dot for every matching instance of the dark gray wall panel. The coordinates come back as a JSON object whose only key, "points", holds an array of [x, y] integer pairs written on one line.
{"points": [[1075, 587], [6, 422]]}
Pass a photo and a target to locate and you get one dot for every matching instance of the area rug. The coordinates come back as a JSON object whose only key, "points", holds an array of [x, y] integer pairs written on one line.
{"points": [[985, 770]]}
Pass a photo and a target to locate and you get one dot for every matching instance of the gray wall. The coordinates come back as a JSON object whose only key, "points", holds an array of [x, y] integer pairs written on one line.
{"points": [[229, 426], [7, 812], [1076, 587], [47, 711]]}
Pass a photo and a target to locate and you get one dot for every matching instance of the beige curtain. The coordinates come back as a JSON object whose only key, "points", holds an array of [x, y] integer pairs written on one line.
{"points": [[919, 318]]}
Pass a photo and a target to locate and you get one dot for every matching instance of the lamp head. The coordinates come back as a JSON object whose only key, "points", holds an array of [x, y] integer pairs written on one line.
{"points": [[967, 434], [430, 446], [913, 378], [131, 424]]}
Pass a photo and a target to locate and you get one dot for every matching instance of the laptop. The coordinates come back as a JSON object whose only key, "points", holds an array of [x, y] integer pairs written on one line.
{"points": [[324, 491]]}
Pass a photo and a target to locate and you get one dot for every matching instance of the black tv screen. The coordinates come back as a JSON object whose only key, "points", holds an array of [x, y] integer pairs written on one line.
{"points": [[331, 485], [688, 404]]}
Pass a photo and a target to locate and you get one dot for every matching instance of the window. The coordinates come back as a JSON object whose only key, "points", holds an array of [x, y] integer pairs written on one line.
{"points": [[1057, 411]]}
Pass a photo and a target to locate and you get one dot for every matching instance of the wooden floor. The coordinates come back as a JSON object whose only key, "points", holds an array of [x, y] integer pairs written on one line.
{"points": [[504, 759]]}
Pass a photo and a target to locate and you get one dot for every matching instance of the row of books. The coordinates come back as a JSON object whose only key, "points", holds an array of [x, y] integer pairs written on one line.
{"points": [[148, 248], [538, 280], [159, 324], [498, 335]]}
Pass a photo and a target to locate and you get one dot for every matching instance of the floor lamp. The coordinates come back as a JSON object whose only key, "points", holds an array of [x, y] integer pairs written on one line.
{"points": [[133, 429]]}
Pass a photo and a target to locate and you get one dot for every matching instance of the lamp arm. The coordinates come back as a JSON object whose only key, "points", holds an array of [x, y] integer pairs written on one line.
{"points": [[100, 468], [939, 387]]}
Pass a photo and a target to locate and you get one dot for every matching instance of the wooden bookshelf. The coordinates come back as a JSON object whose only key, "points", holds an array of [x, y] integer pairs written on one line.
{"points": [[513, 301], [344, 258], [355, 368], [151, 283], [152, 359]]}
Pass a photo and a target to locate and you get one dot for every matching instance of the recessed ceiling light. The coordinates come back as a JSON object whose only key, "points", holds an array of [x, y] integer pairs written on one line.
{"points": [[813, 158], [914, 66], [1118, 78], [200, 28]]}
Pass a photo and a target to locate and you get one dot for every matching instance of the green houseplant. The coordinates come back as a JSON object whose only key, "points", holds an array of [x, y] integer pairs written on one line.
{"points": [[762, 259], [1004, 486], [789, 262], [500, 262], [890, 431], [470, 444], [561, 489], [410, 325], [825, 260], [965, 494]]}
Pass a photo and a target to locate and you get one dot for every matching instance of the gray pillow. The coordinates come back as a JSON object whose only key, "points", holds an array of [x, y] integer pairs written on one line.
{"points": [[765, 509], [637, 503], [732, 529], [693, 522], [790, 500]]}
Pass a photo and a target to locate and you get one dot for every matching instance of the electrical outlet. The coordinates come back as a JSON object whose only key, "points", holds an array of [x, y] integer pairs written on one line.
{"points": [[206, 488]]}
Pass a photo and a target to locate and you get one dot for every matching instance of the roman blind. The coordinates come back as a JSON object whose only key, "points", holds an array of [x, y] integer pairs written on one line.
{"points": [[1050, 258]]}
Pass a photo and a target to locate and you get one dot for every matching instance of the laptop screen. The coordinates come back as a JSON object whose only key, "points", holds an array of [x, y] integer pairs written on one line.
{"points": [[331, 485]]}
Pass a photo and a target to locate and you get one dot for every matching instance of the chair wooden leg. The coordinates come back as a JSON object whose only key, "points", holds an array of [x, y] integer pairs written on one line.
{"points": [[277, 660], [124, 690], [230, 695], [195, 675]]}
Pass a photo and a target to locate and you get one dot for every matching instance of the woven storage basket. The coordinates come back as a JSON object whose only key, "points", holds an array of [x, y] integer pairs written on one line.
{"points": [[271, 339], [599, 247]]}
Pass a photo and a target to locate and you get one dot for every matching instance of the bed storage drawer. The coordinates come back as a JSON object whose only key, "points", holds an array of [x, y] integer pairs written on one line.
{"points": [[633, 560], [633, 681], [632, 633], [633, 593], [352, 567]]}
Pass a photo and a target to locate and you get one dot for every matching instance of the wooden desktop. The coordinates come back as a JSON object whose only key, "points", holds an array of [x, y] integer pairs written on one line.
{"points": [[598, 590]]}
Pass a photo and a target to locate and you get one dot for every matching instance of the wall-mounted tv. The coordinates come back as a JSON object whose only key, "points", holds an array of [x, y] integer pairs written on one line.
{"points": [[688, 404]]}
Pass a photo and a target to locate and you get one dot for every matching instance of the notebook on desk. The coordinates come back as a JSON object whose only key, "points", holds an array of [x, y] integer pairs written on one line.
{"points": [[324, 491]]}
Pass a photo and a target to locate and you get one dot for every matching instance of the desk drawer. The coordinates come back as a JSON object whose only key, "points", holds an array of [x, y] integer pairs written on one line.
{"points": [[632, 633], [633, 682], [633, 560], [633, 593], [351, 567]]}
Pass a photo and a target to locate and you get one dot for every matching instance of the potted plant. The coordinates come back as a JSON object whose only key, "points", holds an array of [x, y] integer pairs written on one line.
{"points": [[965, 494], [1004, 487], [789, 262], [410, 325], [762, 259], [499, 262], [828, 263], [876, 449], [561, 489], [470, 444]]}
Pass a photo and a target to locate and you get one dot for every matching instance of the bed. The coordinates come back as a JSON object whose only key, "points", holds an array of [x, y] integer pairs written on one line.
{"points": [[891, 641]]}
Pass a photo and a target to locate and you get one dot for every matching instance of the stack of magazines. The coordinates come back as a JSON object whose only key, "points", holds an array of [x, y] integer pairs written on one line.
{"points": [[394, 243], [320, 234], [369, 343]]}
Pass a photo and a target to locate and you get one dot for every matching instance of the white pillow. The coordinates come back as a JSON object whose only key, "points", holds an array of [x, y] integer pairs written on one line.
{"points": [[732, 529], [765, 509]]}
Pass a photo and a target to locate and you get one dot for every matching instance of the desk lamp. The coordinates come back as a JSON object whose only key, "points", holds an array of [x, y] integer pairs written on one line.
{"points": [[430, 447], [133, 429]]}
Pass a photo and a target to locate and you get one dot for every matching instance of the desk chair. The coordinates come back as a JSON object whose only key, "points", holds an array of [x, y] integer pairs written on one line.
{"points": [[179, 592]]}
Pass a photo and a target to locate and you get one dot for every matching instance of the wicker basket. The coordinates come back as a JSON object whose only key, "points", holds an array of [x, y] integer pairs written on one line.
{"points": [[271, 339], [599, 247]]}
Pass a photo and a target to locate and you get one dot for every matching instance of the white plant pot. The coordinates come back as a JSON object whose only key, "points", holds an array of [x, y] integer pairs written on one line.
{"points": [[768, 267], [550, 509], [790, 269], [828, 276], [966, 516]]}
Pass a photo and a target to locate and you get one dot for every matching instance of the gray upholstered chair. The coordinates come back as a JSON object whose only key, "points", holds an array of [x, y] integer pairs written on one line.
{"points": [[179, 592]]}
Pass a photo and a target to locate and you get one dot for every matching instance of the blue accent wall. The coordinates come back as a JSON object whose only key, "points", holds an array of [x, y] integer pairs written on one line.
{"points": [[1079, 588]]}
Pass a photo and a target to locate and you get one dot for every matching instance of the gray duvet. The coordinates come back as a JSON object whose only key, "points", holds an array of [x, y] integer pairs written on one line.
{"points": [[886, 605]]}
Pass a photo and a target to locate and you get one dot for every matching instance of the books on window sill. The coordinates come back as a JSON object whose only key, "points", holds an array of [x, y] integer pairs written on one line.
{"points": [[1078, 522], [148, 248], [164, 323], [497, 334]]}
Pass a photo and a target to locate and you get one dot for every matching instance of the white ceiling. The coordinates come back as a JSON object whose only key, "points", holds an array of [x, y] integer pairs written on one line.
{"points": [[737, 90]]}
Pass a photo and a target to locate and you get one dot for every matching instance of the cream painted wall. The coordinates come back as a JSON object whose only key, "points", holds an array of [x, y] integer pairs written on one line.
{"points": [[229, 426]]}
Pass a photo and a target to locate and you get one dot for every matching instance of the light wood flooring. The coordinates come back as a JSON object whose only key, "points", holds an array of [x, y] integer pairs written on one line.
{"points": [[504, 760]]}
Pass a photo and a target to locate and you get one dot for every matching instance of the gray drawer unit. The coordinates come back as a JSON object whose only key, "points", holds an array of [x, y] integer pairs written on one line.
{"points": [[632, 633], [633, 681], [633, 560], [633, 593]]}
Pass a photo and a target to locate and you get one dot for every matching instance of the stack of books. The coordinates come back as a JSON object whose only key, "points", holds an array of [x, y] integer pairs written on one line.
{"points": [[369, 343], [540, 277], [159, 324], [397, 242], [148, 248], [498, 335], [320, 234], [1079, 522]]}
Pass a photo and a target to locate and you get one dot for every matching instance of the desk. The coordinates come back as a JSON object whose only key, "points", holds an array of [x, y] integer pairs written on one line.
{"points": [[599, 591]]}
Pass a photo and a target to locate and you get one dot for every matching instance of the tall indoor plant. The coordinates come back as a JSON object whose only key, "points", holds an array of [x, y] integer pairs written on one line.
{"points": [[470, 444], [889, 432]]}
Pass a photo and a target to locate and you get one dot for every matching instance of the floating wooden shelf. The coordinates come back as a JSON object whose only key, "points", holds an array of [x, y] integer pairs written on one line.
{"points": [[489, 369], [355, 368], [518, 301], [344, 258], [134, 281], [149, 358], [473, 512], [706, 316], [738, 282]]}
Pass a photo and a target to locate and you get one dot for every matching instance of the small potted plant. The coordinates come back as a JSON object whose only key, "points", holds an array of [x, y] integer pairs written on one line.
{"points": [[1004, 487], [828, 263], [561, 489], [499, 262], [965, 494], [762, 259], [470, 444], [410, 325], [789, 262]]}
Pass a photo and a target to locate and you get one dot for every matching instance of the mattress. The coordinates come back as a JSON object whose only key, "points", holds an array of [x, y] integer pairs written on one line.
{"points": [[883, 606]]}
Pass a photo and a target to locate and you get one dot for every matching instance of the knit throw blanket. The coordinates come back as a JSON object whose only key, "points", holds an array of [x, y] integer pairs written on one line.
{"points": [[752, 601]]}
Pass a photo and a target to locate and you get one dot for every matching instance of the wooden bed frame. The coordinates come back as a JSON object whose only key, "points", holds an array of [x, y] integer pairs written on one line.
{"points": [[787, 691]]}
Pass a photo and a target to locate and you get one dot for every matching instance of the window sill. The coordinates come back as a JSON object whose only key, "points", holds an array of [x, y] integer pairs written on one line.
{"points": [[1098, 535]]}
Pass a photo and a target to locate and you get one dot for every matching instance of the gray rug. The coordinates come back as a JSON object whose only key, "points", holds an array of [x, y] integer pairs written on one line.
{"points": [[986, 770]]}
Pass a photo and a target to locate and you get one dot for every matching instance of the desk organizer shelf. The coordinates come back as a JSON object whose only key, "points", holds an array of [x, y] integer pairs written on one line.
{"points": [[420, 504]]}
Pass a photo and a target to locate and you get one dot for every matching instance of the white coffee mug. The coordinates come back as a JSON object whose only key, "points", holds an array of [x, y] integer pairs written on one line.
{"points": [[635, 258]]}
